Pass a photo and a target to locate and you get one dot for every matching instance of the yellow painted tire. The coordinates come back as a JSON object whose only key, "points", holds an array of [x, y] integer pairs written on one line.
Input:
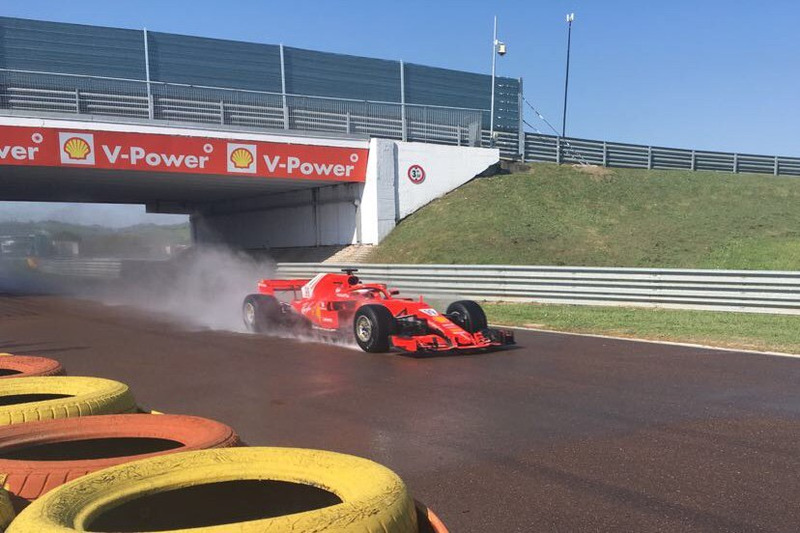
{"points": [[86, 396], [373, 498]]}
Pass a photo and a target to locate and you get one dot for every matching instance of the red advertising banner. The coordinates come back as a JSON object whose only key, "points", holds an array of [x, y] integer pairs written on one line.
{"points": [[172, 153]]}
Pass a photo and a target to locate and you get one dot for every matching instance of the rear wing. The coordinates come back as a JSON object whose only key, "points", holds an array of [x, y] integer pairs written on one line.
{"points": [[271, 286]]}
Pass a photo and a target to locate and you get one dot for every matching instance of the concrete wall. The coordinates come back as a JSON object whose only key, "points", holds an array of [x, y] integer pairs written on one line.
{"points": [[445, 168], [404, 176], [311, 217], [401, 178]]}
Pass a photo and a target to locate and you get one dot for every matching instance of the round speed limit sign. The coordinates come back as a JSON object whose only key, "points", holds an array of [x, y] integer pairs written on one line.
{"points": [[416, 174]]}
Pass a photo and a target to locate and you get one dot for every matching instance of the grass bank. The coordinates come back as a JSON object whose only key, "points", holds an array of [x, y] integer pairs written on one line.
{"points": [[560, 215], [779, 333]]}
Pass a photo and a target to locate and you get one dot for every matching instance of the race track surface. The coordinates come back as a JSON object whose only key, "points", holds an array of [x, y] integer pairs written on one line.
{"points": [[563, 433]]}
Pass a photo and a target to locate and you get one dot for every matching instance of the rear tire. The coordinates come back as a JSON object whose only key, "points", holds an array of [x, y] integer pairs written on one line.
{"points": [[372, 326], [260, 312], [468, 315]]}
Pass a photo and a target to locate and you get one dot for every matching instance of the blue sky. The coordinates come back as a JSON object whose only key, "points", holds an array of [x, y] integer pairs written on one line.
{"points": [[715, 74]]}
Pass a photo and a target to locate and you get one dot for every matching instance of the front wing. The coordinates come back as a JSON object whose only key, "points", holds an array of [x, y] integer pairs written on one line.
{"points": [[482, 340]]}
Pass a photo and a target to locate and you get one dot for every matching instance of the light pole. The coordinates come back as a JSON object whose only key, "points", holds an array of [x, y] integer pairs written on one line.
{"points": [[570, 18], [498, 48]]}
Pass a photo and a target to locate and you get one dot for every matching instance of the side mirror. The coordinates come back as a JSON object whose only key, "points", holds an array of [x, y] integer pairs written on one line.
{"points": [[394, 292]]}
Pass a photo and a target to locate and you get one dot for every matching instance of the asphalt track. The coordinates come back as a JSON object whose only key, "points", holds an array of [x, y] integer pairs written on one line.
{"points": [[564, 433]]}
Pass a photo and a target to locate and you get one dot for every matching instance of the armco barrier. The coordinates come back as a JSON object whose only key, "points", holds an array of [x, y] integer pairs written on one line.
{"points": [[82, 268], [723, 290], [761, 291]]}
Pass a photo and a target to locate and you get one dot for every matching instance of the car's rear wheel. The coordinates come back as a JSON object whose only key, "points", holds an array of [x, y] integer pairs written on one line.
{"points": [[372, 326], [468, 315], [260, 312]]}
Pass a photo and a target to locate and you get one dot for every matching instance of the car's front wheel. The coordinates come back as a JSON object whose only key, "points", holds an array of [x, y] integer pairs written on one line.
{"points": [[468, 315], [372, 326], [260, 312]]}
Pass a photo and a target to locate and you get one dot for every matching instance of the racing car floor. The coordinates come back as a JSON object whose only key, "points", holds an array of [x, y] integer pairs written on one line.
{"points": [[562, 433]]}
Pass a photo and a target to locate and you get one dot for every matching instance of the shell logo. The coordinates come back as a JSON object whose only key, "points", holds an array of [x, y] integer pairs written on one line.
{"points": [[77, 148], [241, 158]]}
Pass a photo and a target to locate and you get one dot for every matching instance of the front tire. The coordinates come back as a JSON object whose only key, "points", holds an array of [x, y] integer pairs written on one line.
{"points": [[468, 315], [372, 326], [260, 312]]}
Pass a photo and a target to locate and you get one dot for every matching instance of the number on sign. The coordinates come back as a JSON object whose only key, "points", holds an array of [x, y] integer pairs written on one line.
{"points": [[416, 174]]}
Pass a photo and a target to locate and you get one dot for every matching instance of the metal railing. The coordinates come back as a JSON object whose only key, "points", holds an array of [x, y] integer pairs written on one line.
{"points": [[92, 97], [554, 149], [724, 290], [505, 141], [758, 291], [80, 268]]}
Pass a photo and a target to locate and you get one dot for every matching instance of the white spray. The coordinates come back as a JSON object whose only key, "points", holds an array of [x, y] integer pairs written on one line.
{"points": [[201, 289]]}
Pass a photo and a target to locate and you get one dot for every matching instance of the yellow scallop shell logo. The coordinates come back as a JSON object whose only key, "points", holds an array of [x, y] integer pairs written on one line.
{"points": [[77, 148], [241, 158]]}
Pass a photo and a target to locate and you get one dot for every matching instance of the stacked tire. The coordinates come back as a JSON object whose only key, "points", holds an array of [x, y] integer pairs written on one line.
{"points": [[15, 366], [75, 455], [301, 490], [31, 399], [40, 456], [55, 429]]}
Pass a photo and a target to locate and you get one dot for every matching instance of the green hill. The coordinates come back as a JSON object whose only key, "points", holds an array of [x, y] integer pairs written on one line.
{"points": [[560, 215]]}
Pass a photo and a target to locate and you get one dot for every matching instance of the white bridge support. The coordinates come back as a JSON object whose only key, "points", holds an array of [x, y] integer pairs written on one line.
{"points": [[401, 178]]}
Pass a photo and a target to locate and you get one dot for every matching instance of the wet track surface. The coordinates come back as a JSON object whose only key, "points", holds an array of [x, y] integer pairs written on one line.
{"points": [[563, 433]]}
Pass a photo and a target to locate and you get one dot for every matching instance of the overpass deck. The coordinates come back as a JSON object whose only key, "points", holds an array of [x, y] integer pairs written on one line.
{"points": [[58, 160]]}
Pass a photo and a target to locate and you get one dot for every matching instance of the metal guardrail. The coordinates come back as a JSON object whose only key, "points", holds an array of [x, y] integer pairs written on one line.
{"points": [[81, 268], [46, 93], [724, 290], [553, 149]]}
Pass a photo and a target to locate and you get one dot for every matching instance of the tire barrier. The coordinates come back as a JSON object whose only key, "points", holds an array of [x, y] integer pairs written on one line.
{"points": [[45, 398], [40, 456], [154, 466], [253, 490], [17, 366]]}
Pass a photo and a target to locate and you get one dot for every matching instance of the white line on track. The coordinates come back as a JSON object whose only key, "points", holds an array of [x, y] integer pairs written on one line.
{"points": [[668, 343]]}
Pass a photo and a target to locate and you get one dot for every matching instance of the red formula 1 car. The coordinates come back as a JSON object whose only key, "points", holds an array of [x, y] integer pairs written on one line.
{"points": [[336, 304]]}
